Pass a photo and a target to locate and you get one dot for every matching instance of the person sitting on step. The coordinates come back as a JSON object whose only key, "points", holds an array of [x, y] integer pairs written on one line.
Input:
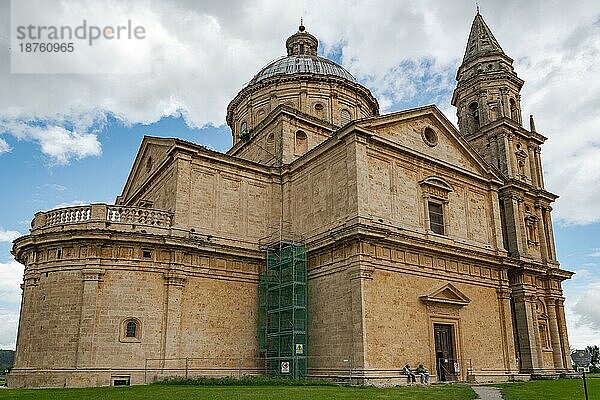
{"points": [[423, 374], [409, 374]]}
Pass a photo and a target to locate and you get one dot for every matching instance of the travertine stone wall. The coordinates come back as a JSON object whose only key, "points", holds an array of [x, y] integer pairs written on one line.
{"points": [[76, 302], [320, 193]]}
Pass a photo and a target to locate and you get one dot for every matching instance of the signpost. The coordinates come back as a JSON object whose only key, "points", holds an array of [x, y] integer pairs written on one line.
{"points": [[582, 358]]}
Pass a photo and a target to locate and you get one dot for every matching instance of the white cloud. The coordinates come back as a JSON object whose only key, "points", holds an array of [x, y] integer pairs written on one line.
{"points": [[9, 322], [403, 51], [11, 277], [4, 147], [583, 314], [595, 253], [60, 144], [8, 236]]}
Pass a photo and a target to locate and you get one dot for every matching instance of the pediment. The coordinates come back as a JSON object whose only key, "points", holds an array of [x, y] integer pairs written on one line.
{"points": [[447, 146], [150, 155], [447, 294]]}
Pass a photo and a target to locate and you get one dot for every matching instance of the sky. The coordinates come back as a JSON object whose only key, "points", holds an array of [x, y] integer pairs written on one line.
{"points": [[69, 134]]}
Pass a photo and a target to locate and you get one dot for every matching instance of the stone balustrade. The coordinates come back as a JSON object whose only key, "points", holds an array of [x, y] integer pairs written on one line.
{"points": [[139, 216], [102, 213], [68, 215]]}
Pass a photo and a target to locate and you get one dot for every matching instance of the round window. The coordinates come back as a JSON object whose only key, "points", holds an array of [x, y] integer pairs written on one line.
{"points": [[429, 136], [319, 107]]}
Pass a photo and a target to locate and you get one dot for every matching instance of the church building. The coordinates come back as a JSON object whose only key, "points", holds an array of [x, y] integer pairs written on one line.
{"points": [[411, 242]]}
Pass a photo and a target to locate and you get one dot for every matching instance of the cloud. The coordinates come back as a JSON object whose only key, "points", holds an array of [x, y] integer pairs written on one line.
{"points": [[406, 52], [11, 277], [8, 236], [9, 321], [58, 143], [595, 253], [585, 308], [4, 147]]}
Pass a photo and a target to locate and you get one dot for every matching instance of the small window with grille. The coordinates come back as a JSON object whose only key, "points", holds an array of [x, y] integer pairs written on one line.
{"points": [[131, 330]]}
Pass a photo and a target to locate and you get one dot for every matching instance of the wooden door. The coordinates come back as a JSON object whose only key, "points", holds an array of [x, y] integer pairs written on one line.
{"points": [[444, 352]]}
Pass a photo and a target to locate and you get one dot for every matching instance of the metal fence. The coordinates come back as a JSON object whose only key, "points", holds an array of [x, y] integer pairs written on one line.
{"points": [[319, 367]]}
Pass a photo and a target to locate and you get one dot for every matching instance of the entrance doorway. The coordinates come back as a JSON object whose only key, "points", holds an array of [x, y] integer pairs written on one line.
{"points": [[446, 364]]}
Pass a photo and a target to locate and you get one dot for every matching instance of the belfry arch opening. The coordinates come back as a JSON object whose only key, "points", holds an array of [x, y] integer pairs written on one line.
{"points": [[474, 115]]}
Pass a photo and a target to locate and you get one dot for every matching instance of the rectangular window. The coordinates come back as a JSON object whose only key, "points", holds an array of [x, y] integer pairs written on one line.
{"points": [[436, 217]]}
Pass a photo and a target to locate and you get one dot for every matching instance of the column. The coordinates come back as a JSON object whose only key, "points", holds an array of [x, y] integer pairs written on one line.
{"points": [[510, 155], [522, 232], [562, 328], [541, 233], [526, 331], [87, 321], [508, 344], [554, 334], [536, 336], [484, 117], [505, 101], [538, 160], [513, 224], [532, 167], [548, 225], [519, 116]]}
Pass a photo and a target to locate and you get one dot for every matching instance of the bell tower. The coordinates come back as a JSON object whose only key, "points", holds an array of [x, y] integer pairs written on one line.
{"points": [[488, 102], [487, 97]]}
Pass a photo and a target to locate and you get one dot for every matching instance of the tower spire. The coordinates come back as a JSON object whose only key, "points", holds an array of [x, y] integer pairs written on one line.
{"points": [[481, 40]]}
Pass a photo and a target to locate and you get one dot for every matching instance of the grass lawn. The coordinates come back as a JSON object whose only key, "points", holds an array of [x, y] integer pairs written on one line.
{"points": [[175, 392], [562, 389]]}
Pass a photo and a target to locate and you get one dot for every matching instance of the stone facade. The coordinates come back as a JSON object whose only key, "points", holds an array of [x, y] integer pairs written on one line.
{"points": [[425, 244]]}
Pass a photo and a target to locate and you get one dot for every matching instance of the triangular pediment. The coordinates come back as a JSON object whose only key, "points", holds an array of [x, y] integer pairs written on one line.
{"points": [[409, 130], [151, 154], [447, 294]]}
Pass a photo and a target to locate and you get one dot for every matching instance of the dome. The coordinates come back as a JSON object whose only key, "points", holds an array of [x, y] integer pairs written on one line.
{"points": [[298, 64], [300, 81]]}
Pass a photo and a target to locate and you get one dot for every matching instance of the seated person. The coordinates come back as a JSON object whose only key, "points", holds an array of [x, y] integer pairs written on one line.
{"points": [[423, 373], [410, 375]]}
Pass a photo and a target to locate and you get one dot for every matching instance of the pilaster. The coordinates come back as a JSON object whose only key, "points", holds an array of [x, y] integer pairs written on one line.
{"points": [[174, 285], [527, 330], [87, 321], [554, 334], [564, 337]]}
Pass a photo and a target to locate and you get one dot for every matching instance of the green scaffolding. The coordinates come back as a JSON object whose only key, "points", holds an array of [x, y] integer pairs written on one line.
{"points": [[282, 310]]}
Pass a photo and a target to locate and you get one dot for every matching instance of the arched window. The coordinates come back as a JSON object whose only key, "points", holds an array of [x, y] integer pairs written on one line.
{"points": [[345, 117], [271, 144], [244, 131], [514, 110], [131, 330], [301, 143], [474, 112]]}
